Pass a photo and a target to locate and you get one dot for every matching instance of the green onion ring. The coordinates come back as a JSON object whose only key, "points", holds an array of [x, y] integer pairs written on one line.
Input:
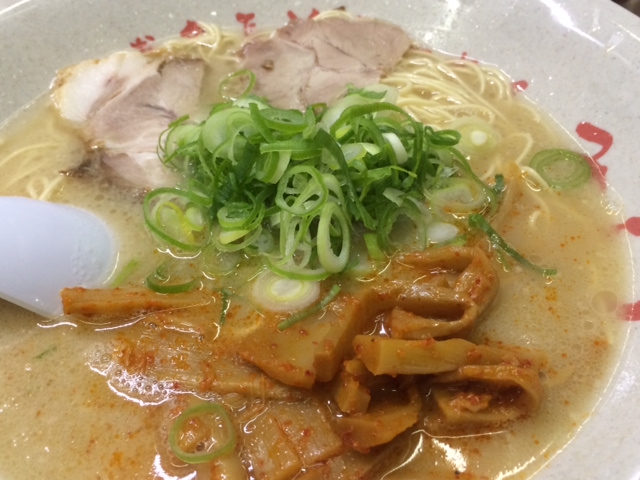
{"points": [[561, 169], [158, 282], [205, 409], [300, 198], [226, 85], [153, 201], [328, 259]]}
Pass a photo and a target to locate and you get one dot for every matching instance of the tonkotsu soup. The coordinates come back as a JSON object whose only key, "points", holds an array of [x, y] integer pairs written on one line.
{"points": [[451, 313]]}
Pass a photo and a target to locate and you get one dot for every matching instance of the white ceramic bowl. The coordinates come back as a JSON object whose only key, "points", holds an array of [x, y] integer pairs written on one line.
{"points": [[580, 60]]}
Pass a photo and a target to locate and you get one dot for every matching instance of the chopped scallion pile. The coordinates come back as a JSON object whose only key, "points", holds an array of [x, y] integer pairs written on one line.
{"points": [[296, 187]]}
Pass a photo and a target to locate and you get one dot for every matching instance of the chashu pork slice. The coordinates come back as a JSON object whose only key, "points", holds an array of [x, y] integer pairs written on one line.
{"points": [[122, 103], [313, 61]]}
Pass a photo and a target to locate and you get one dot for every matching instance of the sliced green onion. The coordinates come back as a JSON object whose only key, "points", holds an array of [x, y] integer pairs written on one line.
{"points": [[217, 263], [441, 232], [255, 173], [459, 196], [398, 148], [235, 240], [298, 149], [373, 247], [236, 85], [476, 135], [301, 190], [414, 236], [353, 151], [177, 217], [226, 237], [395, 195], [202, 433], [334, 187], [294, 236], [479, 222], [171, 289], [290, 269], [241, 215], [500, 185], [351, 194], [46, 352], [361, 97], [561, 169], [125, 273], [302, 315], [222, 129], [328, 259], [286, 121], [355, 111], [264, 243], [181, 136], [160, 281], [492, 194], [278, 294], [445, 138], [273, 166]]}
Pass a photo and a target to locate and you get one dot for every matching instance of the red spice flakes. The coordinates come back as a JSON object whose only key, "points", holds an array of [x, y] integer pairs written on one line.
{"points": [[474, 355], [116, 459], [90, 445], [550, 294]]}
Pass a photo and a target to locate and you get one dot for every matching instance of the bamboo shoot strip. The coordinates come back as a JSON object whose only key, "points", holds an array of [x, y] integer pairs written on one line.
{"points": [[391, 356], [123, 301]]}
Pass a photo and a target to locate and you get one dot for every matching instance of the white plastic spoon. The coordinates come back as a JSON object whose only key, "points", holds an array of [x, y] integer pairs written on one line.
{"points": [[45, 247]]}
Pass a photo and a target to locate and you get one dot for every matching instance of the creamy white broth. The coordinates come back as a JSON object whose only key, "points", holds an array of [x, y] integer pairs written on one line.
{"points": [[62, 419]]}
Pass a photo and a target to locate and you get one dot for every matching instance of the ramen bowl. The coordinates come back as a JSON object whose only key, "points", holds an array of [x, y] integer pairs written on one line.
{"points": [[578, 61]]}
